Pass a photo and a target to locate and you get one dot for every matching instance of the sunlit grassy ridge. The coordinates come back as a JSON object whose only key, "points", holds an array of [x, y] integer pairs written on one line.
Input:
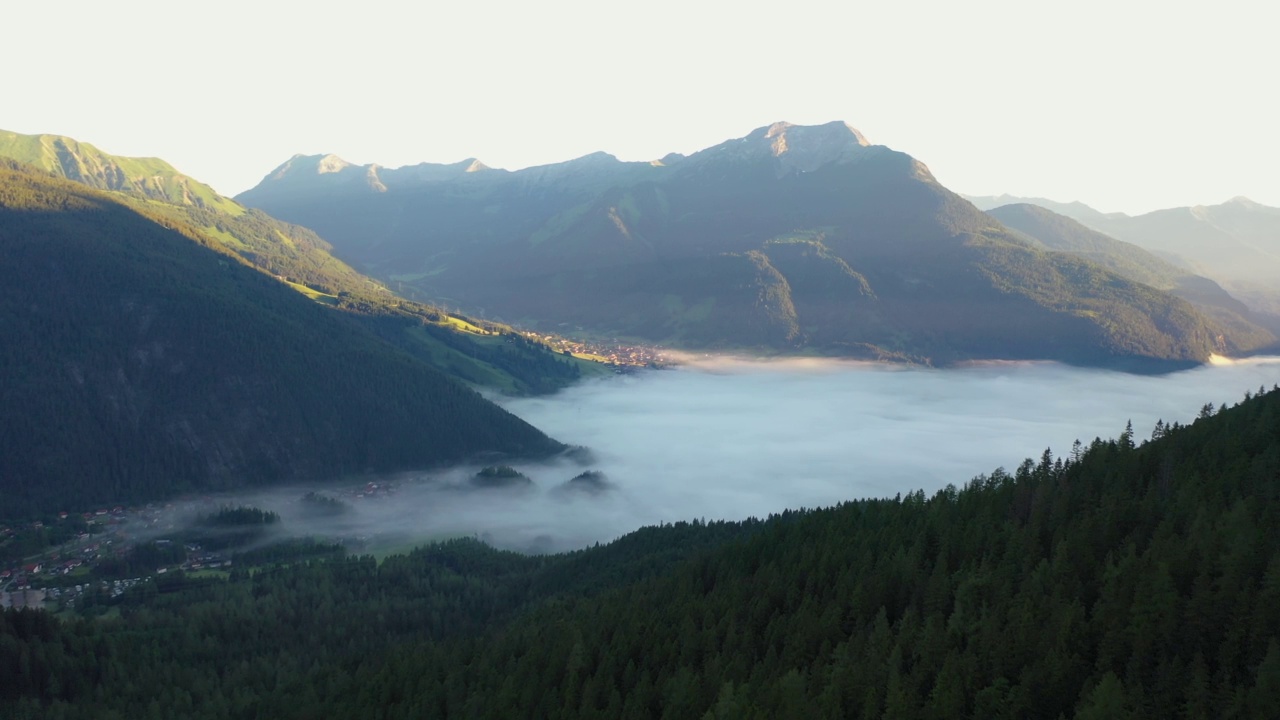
{"points": [[84, 163]]}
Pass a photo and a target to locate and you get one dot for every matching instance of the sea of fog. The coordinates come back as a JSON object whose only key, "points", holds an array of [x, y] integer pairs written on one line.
{"points": [[728, 438]]}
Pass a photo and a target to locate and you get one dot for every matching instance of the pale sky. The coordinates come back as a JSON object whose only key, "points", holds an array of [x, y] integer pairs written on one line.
{"points": [[1124, 105]]}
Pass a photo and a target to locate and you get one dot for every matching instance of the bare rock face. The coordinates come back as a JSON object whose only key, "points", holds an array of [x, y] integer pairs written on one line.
{"points": [[802, 148], [793, 148], [331, 164]]}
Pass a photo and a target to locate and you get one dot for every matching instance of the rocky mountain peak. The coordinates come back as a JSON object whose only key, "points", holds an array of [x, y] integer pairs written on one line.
{"points": [[796, 148], [331, 164]]}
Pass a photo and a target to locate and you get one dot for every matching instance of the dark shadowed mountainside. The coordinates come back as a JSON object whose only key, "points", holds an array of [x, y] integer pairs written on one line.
{"points": [[791, 239], [142, 359]]}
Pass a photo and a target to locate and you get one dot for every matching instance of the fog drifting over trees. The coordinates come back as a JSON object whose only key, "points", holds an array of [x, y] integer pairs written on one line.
{"points": [[725, 438]]}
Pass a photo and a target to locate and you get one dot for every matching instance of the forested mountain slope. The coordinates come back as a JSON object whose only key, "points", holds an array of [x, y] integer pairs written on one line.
{"points": [[1063, 234], [1129, 580], [789, 239], [141, 360], [1236, 243]]}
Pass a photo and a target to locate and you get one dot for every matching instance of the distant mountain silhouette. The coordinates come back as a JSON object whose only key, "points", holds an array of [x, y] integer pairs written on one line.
{"points": [[1061, 233], [1236, 243]]}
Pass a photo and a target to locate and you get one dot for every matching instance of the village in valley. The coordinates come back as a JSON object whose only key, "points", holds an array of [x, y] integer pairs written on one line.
{"points": [[60, 575], [623, 356], [59, 563]]}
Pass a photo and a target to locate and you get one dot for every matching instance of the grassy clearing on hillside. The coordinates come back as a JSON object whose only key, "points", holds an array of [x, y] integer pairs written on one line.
{"points": [[472, 370], [225, 238], [316, 295], [463, 325]]}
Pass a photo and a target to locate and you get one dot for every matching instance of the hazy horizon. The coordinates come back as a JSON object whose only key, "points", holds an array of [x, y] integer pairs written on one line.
{"points": [[1165, 109], [451, 160]]}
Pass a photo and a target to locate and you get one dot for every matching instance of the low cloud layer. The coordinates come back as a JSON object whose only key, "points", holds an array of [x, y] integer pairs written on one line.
{"points": [[731, 438]]}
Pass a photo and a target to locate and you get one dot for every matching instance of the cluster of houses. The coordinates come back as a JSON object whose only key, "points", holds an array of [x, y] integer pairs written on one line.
{"points": [[616, 354], [40, 599], [63, 575], [33, 584], [66, 596], [22, 577]]}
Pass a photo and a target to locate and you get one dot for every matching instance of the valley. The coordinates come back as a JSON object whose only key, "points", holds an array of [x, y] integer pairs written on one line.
{"points": [[475, 616], [580, 360], [717, 438]]}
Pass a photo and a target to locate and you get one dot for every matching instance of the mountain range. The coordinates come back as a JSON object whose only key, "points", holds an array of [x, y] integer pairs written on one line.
{"points": [[790, 239]]}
